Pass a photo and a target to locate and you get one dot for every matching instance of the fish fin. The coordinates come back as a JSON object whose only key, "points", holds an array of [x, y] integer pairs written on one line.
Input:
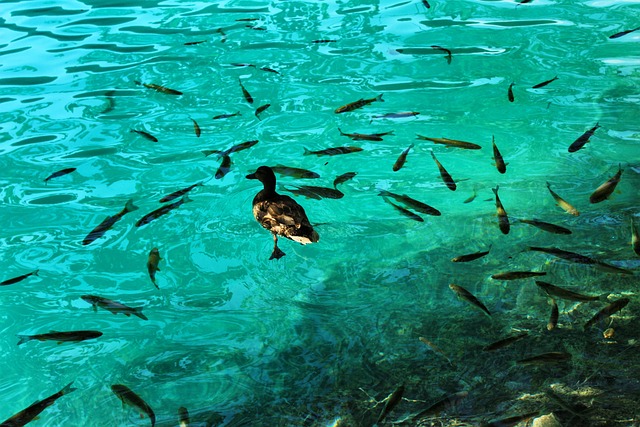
{"points": [[185, 199], [68, 389], [126, 314], [35, 272], [24, 339], [95, 307], [129, 206], [306, 152], [379, 98], [341, 133], [137, 311]]}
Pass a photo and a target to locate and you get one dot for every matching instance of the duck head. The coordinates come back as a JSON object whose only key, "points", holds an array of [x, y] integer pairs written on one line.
{"points": [[266, 176]]}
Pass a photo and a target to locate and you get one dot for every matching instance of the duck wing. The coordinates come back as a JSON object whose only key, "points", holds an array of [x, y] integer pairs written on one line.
{"points": [[285, 217]]}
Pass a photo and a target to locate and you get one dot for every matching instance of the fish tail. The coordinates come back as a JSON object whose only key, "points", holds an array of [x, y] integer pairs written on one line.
{"points": [[24, 339], [138, 82], [411, 146], [35, 272], [129, 206], [306, 152], [340, 130], [495, 190], [137, 311], [379, 98], [185, 199], [68, 389]]}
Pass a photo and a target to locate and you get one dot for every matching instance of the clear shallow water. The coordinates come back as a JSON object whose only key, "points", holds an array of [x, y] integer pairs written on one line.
{"points": [[241, 340]]}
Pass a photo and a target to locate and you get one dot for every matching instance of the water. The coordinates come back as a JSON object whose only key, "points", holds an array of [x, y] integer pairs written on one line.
{"points": [[332, 327]]}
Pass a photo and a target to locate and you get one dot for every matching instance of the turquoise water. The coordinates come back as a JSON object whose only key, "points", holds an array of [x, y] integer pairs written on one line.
{"points": [[332, 327]]}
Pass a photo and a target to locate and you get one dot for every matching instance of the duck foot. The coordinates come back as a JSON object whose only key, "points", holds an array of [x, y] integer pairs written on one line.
{"points": [[277, 253]]}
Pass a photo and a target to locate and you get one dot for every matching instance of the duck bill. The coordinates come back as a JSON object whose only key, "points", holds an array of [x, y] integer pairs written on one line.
{"points": [[251, 176]]}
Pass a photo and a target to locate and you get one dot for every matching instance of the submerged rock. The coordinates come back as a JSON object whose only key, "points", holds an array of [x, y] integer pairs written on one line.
{"points": [[546, 421]]}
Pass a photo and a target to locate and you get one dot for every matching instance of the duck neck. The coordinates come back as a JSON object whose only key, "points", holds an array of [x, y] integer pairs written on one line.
{"points": [[269, 187]]}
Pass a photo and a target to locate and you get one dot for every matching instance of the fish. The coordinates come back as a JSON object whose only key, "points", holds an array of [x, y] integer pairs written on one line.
{"points": [[240, 147], [446, 178], [162, 211], [563, 203], [467, 296], [426, 4], [396, 115], [269, 70], [435, 348], [635, 239], [503, 219], [392, 401], [108, 222], [510, 93], [321, 192], [500, 164], [194, 43], [324, 41], [126, 395], [294, 172], [30, 413], [406, 212], [553, 319], [146, 135], [305, 193], [551, 228], [470, 257], [412, 203], [245, 93], [364, 136], [113, 306], [546, 358], [544, 83], [111, 102], [440, 406], [226, 116], [447, 51], [451, 142], [333, 151], [343, 178], [582, 139], [607, 311], [603, 192], [60, 337], [261, 109], [159, 88], [558, 292], [19, 278], [152, 265], [516, 419], [623, 33], [515, 275], [179, 193], [504, 342], [59, 173], [471, 198], [569, 256], [224, 168], [183, 415], [196, 128], [358, 104], [402, 159]]}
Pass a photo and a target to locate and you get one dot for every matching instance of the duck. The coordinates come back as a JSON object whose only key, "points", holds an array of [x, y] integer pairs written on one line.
{"points": [[280, 214]]}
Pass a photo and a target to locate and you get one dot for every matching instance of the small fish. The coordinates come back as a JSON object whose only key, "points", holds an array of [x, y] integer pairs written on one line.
{"points": [[516, 419], [623, 33], [261, 109], [503, 219], [440, 406], [19, 278], [25, 416], [635, 239], [426, 4], [333, 151], [111, 102], [113, 306], [392, 401], [470, 257], [412, 203], [304, 193], [546, 358], [160, 89], [401, 159], [269, 70], [446, 178], [224, 168], [245, 93], [179, 193], [60, 337], [603, 192], [108, 222], [226, 116], [246, 19], [447, 51], [294, 172], [583, 139], [322, 192], [558, 292], [194, 43], [396, 115], [563, 203], [569, 256], [504, 342], [365, 136], [183, 415], [152, 265], [127, 396], [553, 319], [240, 147], [343, 178], [510, 93], [196, 128], [515, 275], [242, 64], [551, 228], [144, 134], [406, 212], [358, 104], [500, 164], [467, 296], [59, 173], [435, 348], [543, 84], [162, 211], [452, 142], [609, 310], [471, 198], [324, 41]]}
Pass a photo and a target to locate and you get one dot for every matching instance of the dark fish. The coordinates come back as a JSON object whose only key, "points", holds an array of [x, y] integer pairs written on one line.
{"points": [[144, 134], [242, 64], [162, 211], [412, 203], [365, 136], [635, 239], [569, 256], [194, 43], [333, 151], [603, 192], [543, 84], [294, 172], [435, 348], [196, 128], [152, 265], [406, 212], [471, 198], [582, 139], [551, 228], [470, 257], [183, 415], [324, 41], [555, 314], [563, 203], [126, 395], [510, 93], [515, 275], [322, 192], [113, 306], [546, 358], [401, 159], [446, 178], [246, 19], [343, 178], [504, 342], [224, 168], [426, 4], [261, 109], [70, 336], [623, 33], [19, 278], [469, 297], [358, 104], [59, 173], [441, 406], [179, 193], [558, 292], [503, 219], [226, 116], [159, 88], [609, 310], [447, 51], [240, 147], [516, 419], [269, 70], [245, 93], [500, 164], [27, 415], [108, 222], [396, 115], [301, 192], [452, 142], [392, 402], [111, 102]]}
